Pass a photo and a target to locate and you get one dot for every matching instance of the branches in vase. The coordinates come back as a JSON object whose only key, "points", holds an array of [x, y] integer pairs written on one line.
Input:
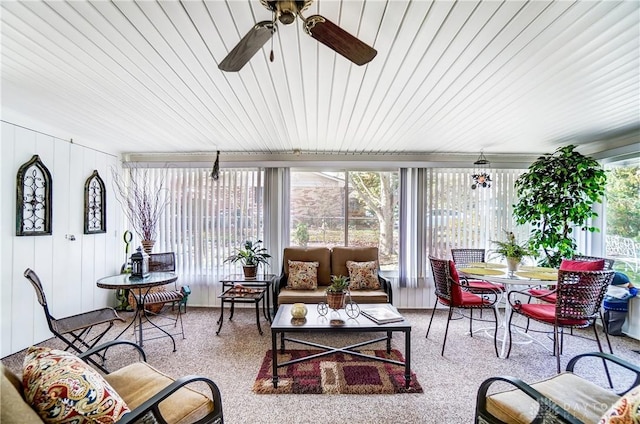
{"points": [[142, 198]]}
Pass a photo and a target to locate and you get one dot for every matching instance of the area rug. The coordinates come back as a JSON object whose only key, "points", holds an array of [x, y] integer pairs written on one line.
{"points": [[337, 373]]}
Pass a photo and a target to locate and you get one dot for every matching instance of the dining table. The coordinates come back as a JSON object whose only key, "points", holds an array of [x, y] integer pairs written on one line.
{"points": [[140, 288], [525, 276]]}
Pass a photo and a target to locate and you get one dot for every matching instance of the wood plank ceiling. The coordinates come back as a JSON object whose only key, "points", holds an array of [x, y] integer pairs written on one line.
{"points": [[449, 77]]}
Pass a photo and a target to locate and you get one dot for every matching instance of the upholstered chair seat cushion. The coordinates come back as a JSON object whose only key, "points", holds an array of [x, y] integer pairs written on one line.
{"points": [[184, 406], [484, 285], [546, 312], [585, 400]]}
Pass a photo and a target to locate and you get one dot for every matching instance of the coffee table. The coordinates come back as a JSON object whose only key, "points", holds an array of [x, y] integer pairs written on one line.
{"points": [[336, 322]]}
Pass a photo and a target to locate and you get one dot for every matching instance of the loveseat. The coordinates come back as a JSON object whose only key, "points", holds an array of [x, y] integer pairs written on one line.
{"points": [[134, 393], [330, 261]]}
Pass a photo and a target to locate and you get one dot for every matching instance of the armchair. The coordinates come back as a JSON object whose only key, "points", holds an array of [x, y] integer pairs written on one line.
{"points": [[570, 397], [134, 393]]}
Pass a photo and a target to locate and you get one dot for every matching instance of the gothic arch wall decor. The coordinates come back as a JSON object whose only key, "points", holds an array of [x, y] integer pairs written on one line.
{"points": [[33, 199], [95, 204]]}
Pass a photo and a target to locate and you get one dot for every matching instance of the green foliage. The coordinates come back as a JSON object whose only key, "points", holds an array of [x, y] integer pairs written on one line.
{"points": [[301, 234], [251, 254], [339, 283], [511, 248], [556, 194], [623, 202]]}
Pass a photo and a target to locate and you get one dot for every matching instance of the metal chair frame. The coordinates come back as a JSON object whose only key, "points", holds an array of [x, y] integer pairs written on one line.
{"points": [[579, 299], [162, 262], [445, 285], [74, 330], [464, 257]]}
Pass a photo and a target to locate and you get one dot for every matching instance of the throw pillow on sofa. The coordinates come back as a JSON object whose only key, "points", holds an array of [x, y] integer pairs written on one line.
{"points": [[61, 387], [303, 275], [363, 275]]}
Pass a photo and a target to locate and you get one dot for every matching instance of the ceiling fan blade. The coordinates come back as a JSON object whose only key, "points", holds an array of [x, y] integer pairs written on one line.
{"points": [[334, 37], [248, 46]]}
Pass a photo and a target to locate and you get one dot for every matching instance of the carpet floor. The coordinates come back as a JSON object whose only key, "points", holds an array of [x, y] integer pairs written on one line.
{"points": [[233, 360]]}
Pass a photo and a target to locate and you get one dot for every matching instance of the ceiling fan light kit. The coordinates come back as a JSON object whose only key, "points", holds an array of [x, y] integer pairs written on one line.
{"points": [[318, 27]]}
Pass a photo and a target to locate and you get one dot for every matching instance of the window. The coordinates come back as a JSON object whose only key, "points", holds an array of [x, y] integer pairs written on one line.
{"points": [[622, 211], [346, 208]]}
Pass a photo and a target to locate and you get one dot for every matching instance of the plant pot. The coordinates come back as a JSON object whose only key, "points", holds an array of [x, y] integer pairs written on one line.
{"points": [[250, 271], [335, 300], [513, 264], [147, 245]]}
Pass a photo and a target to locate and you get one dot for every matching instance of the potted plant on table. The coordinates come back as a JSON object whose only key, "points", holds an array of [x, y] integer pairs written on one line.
{"points": [[336, 291], [251, 255], [511, 250]]}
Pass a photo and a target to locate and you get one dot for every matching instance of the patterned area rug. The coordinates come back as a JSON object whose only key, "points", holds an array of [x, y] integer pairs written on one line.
{"points": [[336, 373]]}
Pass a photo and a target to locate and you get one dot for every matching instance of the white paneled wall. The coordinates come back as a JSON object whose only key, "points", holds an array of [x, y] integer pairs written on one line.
{"points": [[68, 269]]}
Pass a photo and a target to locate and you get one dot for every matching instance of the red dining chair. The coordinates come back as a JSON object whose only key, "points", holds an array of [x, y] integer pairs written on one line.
{"points": [[449, 292], [464, 258], [579, 295], [548, 294]]}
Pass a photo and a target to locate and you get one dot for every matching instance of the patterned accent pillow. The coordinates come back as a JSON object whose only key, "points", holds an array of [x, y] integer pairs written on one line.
{"points": [[61, 387], [625, 411], [303, 275], [363, 275]]}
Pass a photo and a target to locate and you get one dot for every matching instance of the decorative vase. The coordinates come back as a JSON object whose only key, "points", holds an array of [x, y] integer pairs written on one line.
{"points": [[147, 245], [250, 271], [299, 310], [335, 300], [513, 264]]}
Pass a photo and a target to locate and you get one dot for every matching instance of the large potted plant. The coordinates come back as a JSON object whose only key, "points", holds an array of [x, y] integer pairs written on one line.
{"points": [[250, 255], [555, 195]]}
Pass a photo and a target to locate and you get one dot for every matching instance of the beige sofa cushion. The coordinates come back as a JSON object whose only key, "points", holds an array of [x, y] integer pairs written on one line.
{"points": [[13, 408], [585, 400], [287, 296], [340, 255], [140, 381], [322, 255]]}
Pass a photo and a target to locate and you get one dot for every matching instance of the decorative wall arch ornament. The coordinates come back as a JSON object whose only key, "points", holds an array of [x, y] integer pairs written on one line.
{"points": [[95, 204], [33, 199]]}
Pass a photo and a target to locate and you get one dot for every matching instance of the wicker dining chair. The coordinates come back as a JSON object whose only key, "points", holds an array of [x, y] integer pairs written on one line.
{"points": [[449, 292], [155, 300], [74, 330], [464, 258], [579, 296]]}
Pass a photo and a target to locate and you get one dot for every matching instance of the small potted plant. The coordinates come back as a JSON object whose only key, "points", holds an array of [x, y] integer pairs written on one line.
{"points": [[336, 291], [251, 255], [511, 251]]}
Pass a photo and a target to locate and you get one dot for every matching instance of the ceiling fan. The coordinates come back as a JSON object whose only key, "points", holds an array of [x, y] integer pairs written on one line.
{"points": [[318, 27]]}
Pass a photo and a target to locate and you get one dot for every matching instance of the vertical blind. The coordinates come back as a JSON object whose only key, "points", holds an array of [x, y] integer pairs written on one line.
{"points": [[205, 220]]}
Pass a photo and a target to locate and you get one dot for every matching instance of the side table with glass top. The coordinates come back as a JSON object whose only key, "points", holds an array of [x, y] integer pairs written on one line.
{"points": [[260, 281], [241, 294]]}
